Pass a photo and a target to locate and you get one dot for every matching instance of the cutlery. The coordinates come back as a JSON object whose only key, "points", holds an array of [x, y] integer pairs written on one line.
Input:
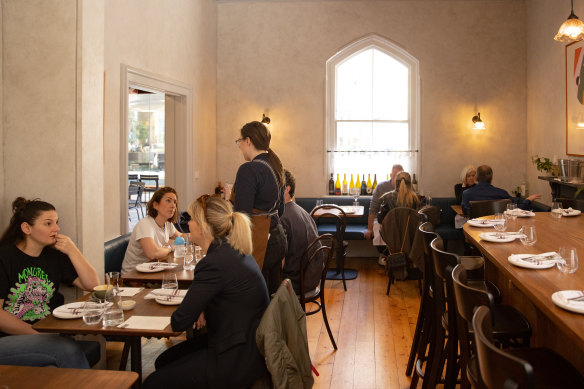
{"points": [[542, 258], [578, 298], [124, 325]]}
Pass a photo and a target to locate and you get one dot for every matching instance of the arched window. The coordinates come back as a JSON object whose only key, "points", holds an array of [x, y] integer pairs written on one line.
{"points": [[372, 109]]}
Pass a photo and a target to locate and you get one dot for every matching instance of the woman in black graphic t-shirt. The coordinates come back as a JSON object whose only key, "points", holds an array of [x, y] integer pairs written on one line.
{"points": [[34, 259]]}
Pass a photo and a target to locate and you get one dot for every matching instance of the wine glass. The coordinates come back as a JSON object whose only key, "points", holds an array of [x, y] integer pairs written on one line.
{"points": [[569, 262], [356, 193], [528, 235], [501, 224], [189, 257], [170, 282]]}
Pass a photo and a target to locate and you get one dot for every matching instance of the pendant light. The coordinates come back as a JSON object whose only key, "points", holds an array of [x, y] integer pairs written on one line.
{"points": [[572, 29]]}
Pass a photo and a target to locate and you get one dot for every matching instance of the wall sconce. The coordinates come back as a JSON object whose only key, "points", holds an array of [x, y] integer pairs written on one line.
{"points": [[478, 122], [265, 120], [572, 29]]}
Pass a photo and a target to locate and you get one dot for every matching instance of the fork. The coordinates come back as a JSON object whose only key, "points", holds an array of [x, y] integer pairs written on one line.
{"points": [[540, 258], [577, 298]]}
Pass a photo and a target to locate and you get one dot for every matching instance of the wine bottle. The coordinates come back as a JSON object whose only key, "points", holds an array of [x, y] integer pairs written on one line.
{"points": [[331, 186], [387, 177], [338, 186], [369, 185], [351, 186], [357, 185], [415, 184], [375, 182], [363, 186], [345, 187]]}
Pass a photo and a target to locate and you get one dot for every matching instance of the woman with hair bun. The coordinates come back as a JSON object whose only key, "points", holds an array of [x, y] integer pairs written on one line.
{"points": [[228, 296], [259, 190], [34, 260]]}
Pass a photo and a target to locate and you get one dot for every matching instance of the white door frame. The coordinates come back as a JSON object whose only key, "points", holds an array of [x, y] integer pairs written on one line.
{"points": [[181, 156]]}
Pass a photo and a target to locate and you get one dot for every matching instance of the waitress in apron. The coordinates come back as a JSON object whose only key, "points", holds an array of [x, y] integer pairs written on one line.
{"points": [[259, 192]]}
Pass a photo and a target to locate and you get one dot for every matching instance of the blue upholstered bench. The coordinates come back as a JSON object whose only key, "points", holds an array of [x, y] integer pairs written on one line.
{"points": [[356, 226], [114, 252]]}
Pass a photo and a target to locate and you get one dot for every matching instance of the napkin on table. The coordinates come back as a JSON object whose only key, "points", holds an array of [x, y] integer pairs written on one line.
{"points": [[165, 292], [146, 322], [129, 292]]}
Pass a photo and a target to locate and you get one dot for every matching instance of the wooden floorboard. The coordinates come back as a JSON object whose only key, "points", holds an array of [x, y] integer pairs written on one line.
{"points": [[373, 333]]}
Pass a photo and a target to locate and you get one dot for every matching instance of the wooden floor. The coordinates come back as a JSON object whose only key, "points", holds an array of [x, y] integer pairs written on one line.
{"points": [[373, 333]]}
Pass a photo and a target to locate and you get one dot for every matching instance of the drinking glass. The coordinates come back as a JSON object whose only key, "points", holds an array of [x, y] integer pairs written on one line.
{"points": [[112, 279], [528, 235], [169, 281], [569, 262], [198, 253], [189, 257], [511, 211], [356, 192], [93, 311], [113, 314], [501, 224], [556, 209]]}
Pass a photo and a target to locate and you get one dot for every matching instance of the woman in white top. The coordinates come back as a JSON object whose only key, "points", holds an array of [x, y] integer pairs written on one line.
{"points": [[150, 237]]}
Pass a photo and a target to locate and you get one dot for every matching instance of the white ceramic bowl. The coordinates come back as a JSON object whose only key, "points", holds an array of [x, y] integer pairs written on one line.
{"points": [[128, 304]]}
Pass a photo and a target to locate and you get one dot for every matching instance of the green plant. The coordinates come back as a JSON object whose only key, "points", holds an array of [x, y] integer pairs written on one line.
{"points": [[543, 164]]}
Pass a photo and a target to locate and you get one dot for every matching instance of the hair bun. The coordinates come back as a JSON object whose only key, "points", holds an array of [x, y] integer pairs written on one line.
{"points": [[18, 204]]}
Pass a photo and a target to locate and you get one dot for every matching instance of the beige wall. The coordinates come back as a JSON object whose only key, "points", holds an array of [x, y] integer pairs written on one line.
{"points": [[176, 40], [272, 55], [546, 98]]}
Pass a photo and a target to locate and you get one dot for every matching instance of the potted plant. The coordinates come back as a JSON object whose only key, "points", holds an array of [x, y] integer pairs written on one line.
{"points": [[545, 165]]}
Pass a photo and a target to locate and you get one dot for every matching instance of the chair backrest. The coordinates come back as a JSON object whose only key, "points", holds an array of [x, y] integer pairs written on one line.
{"points": [[487, 207], [332, 212], [114, 252], [150, 177], [432, 214], [573, 203], [498, 368], [429, 235], [396, 225], [467, 297], [314, 263], [136, 189]]}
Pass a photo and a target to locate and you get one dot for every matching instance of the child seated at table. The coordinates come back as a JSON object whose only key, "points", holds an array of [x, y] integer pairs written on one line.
{"points": [[34, 260]]}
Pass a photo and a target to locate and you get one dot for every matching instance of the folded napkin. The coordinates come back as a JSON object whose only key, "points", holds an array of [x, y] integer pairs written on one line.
{"points": [[69, 311], [165, 292], [146, 322], [486, 221], [537, 259], [129, 292]]}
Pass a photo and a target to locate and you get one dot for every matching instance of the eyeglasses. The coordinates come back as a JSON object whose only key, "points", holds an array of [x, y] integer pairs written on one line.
{"points": [[238, 141], [203, 201]]}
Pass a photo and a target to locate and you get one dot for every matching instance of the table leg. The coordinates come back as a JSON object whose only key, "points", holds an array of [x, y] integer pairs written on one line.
{"points": [[136, 359]]}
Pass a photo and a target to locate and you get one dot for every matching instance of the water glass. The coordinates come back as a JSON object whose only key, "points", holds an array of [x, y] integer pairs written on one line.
{"points": [[113, 314], [189, 257], [112, 279], [556, 209], [93, 311], [169, 281], [198, 253], [319, 203], [428, 198], [511, 211], [501, 224], [528, 235], [569, 262]]}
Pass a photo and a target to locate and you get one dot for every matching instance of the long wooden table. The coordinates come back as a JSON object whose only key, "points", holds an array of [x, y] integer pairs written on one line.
{"points": [[144, 307], [26, 377], [530, 290], [184, 277]]}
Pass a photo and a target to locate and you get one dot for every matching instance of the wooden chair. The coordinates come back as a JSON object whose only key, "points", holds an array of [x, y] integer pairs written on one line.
{"points": [[318, 253], [510, 327], [398, 231], [526, 368], [573, 203], [331, 211], [487, 207]]}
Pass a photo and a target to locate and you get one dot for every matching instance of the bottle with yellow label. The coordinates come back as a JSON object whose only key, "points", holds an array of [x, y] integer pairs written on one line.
{"points": [[338, 186], [345, 187], [351, 185], [369, 185]]}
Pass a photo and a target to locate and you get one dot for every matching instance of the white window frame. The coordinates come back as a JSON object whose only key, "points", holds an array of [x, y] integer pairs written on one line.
{"points": [[399, 54]]}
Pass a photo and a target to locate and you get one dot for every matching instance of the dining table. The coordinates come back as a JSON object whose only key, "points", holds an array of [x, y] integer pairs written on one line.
{"points": [[184, 277], [530, 290], [32, 377], [145, 309]]}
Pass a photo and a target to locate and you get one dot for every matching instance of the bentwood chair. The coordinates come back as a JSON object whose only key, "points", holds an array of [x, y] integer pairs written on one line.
{"points": [[526, 368], [331, 211], [317, 255], [487, 207], [510, 327]]}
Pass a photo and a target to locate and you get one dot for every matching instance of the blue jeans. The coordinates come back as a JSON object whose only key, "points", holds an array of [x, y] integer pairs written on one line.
{"points": [[42, 350]]}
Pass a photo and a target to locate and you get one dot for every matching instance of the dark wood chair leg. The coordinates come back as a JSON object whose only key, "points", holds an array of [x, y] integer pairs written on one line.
{"points": [[326, 323], [124, 357]]}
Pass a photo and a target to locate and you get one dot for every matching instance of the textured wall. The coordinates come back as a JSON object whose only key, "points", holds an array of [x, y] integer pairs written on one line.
{"points": [[176, 40], [272, 55]]}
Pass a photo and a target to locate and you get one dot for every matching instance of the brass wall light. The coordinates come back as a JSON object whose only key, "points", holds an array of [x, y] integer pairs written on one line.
{"points": [[265, 120], [478, 123], [572, 29]]}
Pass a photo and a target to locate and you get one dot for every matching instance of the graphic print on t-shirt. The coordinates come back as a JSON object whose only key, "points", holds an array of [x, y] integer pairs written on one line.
{"points": [[29, 299]]}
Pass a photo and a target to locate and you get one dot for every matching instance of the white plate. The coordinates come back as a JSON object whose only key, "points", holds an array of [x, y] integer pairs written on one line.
{"points": [[480, 223], [169, 300], [517, 261], [69, 311], [165, 292], [521, 213], [568, 212], [561, 297], [149, 268], [497, 237]]}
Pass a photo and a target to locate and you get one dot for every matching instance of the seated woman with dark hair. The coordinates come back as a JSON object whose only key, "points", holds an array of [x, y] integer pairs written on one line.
{"points": [[468, 178], [34, 260], [150, 237], [228, 295]]}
